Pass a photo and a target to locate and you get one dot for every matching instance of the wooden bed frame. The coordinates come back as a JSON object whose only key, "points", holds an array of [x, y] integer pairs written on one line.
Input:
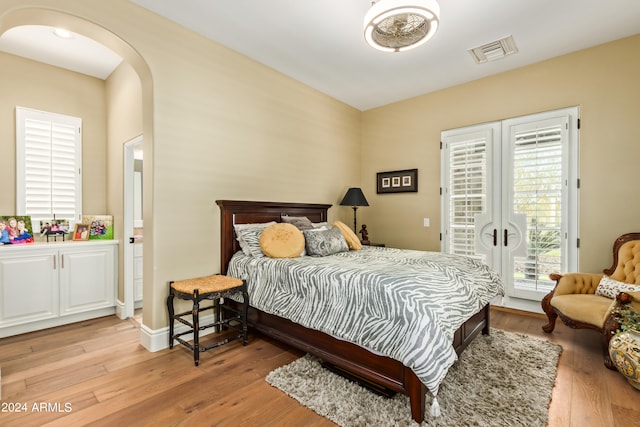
{"points": [[375, 369]]}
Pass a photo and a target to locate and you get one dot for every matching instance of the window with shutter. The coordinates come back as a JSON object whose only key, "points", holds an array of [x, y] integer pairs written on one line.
{"points": [[510, 199], [48, 166], [537, 194], [468, 192]]}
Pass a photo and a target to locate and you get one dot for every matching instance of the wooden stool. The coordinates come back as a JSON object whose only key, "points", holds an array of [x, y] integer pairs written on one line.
{"points": [[213, 288]]}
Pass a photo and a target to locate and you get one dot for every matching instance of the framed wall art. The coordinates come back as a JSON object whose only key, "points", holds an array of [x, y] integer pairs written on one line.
{"points": [[404, 181]]}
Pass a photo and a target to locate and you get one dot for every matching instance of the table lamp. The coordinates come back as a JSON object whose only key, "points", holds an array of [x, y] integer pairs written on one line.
{"points": [[354, 198]]}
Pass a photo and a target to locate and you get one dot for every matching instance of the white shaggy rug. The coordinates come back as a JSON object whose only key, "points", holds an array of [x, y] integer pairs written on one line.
{"points": [[504, 379]]}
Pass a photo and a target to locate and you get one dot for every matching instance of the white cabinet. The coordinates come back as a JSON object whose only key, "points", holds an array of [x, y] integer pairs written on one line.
{"points": [[86, 279], [46, 285], [28, 287]]}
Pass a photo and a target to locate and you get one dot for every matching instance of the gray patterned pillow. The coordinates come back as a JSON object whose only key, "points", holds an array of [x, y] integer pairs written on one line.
{"points": [[248, 236], [321, 242], [302, 222], [611, 288]]}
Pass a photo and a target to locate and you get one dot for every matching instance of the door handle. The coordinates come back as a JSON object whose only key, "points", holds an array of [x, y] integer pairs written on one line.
{"points": [[132, 240], [495, 237], [506, 238]]}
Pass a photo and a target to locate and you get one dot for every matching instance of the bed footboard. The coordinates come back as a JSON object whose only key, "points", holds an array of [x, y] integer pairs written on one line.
{"points": [[380, 371]]}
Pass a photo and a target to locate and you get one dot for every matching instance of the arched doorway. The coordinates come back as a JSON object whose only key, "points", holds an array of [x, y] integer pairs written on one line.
{"points": [[102, 35]]}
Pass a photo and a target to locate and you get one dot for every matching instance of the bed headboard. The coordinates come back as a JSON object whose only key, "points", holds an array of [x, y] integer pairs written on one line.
{"points": [[245, 212]]}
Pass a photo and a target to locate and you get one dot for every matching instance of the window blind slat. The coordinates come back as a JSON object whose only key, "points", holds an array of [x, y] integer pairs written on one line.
{"points": [[467, 194], [50, 181], [537, 163]]}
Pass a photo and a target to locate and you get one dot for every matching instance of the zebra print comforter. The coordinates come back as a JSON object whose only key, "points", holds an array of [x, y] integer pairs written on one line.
{"points": [[399, 303]]}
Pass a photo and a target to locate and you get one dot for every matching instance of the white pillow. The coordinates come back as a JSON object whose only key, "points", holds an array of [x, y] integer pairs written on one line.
{"points": [[248, 236], [611, 288]]}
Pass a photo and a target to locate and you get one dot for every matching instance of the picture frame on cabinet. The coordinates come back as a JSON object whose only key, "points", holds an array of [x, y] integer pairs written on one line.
{"points": [[100, 226], [402, 181], [15, 229], [53, 228], [81, 232]]}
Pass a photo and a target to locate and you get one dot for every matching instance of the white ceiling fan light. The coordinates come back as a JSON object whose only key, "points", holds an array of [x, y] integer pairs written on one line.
{"points": [[400, 25], [62, 33]]}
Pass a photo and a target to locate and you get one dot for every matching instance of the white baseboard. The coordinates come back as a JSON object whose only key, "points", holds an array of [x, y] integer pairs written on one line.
{"points": [[120, 310], [154, 340], [518, 304], [158, 339]]}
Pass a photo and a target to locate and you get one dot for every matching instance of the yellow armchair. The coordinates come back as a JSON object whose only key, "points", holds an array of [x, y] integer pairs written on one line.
{"points": [[574, 297]]}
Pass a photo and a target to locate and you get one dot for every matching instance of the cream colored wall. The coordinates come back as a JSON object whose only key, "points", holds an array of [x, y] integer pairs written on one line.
{"points": [[124, 122], [27, 83], [603, 81], [229, 128], [219, 126]]}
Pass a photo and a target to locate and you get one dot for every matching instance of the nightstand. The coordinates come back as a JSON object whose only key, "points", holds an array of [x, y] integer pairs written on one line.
{"points": [[379, 245]]}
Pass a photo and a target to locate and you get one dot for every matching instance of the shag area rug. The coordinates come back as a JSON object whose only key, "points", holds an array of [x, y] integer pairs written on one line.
{"points": [[504, 379]]}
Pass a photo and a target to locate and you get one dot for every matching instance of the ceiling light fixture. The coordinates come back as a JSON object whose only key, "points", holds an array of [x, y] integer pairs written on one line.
{"points": [[399, 25], [62, 33]]}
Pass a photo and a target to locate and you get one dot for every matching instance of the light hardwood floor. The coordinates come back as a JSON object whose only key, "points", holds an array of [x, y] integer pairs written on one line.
{"points": [[96, 373]]}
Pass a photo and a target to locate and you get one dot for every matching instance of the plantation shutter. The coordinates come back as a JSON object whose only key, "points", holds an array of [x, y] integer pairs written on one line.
{"points": [[467, 169], [538, 194], [49, 165]]}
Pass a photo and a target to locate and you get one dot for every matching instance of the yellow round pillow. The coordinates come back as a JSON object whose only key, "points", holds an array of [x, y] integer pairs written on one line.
{"points": [[282, 241], [349, 236]]}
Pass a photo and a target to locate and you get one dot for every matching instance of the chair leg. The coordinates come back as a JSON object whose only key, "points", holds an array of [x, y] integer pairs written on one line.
{"points": [[171, 314], [195, 312], [551, 314], [219, 315], [245, 310]]}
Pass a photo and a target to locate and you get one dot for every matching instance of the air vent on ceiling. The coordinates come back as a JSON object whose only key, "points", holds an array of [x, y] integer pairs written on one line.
{"points": [[494, 50]]}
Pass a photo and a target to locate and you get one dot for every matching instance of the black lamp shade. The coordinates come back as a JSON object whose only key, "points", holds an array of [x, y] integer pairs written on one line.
{"points": [[354, 197]]}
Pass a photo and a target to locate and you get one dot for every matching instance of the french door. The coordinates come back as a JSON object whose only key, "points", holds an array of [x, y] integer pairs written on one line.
{"points": [[510, 198]]}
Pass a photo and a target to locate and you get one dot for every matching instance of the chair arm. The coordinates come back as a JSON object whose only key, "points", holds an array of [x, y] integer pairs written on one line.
{"points": [[576, 283]]}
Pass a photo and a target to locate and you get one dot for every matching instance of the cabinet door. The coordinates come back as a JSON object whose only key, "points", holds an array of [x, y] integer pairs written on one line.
{"points": [[28, 287], [87, 279]]}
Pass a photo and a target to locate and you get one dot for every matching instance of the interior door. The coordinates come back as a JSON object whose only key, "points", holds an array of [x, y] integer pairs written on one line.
{"points": [[510, 199]]}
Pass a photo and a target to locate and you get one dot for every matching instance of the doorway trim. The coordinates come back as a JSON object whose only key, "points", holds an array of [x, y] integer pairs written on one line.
{"points": [[129, 224]]}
